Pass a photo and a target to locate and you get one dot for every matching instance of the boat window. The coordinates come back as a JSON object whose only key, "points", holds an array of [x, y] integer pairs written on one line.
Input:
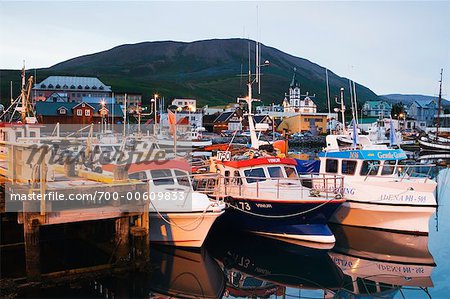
{"points": [[107, 148], [275, 172], [388, 167], [182, 178], [227, 176], [290, 172], [370, 167], [237, 178], [331, 166], [348, 167], [348, 283], [141, 176], [162, 177], [254, 175]]}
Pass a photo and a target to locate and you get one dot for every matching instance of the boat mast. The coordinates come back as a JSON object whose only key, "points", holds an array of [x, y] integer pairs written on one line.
{"points": [[439, 107], [328, 101]]}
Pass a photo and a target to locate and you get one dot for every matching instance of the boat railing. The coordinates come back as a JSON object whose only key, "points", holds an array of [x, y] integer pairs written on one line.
{"points": [[417, 172], [325, 185]]}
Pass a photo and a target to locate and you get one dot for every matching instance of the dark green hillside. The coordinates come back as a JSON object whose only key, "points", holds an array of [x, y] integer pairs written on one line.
{"points": [[206, 70]]}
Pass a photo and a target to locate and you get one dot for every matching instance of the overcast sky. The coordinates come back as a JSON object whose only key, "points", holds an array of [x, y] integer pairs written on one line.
{"points": [[390, 47]]}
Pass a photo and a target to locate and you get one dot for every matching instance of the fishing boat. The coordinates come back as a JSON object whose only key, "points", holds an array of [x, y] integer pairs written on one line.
{"points": [[267, 197], [179, 216], [435, 142], [381, 191], [265, 194], [379, 263]]}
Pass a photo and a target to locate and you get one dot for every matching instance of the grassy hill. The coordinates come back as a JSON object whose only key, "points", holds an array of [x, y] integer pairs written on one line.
{"points": [[206, 70]]}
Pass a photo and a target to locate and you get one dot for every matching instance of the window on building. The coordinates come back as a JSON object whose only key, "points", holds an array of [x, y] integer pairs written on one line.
{"points": [[79, 112], [50, 86], [255, 175], [43, 86], [348, 167], [32, 134], [331, 166], [370, 167], [62, 110], [72, 86], [87, 112], [58, 86]]}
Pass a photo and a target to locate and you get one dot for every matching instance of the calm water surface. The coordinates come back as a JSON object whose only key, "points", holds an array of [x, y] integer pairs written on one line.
{"points": [[363, 264]]}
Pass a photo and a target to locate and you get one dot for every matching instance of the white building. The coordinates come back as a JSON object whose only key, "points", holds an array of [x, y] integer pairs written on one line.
{"points": [[185, 104], [295, 101]]}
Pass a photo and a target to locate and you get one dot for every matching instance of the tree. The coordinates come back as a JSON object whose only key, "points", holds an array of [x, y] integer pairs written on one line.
{"points": [[397, 109]]}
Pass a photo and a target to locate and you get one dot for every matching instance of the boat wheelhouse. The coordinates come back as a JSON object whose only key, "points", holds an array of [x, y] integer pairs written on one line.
{"points": [[267, 197], [179, 215], [381, 191]]}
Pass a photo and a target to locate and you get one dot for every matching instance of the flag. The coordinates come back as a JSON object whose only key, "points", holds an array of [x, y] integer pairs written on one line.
{"points": [[392, 138], [172, 121], [355, 134]]}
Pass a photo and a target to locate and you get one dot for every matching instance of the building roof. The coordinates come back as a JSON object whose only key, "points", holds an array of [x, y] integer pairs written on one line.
{"points": [[424, 103], [73, 83], [92, 100], [224, 116], [294, 82], [51, 108]]}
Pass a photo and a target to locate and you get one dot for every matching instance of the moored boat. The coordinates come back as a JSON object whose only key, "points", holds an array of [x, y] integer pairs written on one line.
{"points": [[179, 216], [267, 197], [381, 192]]}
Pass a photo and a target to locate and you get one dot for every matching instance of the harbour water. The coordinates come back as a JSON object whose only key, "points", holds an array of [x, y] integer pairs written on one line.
{"points": [[363, 263]]}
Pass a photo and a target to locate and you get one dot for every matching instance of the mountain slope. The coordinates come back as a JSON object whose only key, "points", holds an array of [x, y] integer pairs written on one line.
{"points": [[206, 70]]}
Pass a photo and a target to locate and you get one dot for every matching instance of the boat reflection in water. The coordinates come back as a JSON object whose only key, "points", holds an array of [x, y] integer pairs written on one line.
{"points": [[379, 263], [257, 266], [173, 273], [184, 274]]}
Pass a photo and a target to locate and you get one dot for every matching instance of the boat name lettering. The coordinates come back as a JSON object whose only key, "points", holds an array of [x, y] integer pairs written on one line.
{"points": [[393, 155], [332, 189], [243, 205], [274, 160], [403, 198], [400, 269], [354, 155], [264, 205], [342, 262]]}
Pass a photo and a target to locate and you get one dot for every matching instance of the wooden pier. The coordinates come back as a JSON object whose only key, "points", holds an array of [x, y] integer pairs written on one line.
{"points": [[22, 174]]}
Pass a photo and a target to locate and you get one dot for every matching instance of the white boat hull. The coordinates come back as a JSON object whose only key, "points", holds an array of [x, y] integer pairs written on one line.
{"points": [[185, 229], [413, 219]]}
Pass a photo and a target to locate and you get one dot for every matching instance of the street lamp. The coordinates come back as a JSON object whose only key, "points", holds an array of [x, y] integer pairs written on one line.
{"points": [[154, 100], [102, 112]]}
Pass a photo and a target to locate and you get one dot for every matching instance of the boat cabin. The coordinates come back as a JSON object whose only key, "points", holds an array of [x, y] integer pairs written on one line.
{"points": [[257, 170], [361, 162], [174, 173]]}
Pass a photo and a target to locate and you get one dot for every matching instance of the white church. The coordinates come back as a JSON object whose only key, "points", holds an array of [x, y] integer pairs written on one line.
{"points": [[295, 101]]}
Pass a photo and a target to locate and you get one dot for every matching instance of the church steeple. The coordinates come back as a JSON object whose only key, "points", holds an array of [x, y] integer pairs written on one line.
{"points": [[294, 82]]}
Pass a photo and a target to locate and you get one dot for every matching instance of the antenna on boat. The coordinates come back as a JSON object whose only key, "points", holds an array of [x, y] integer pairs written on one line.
{"points": [[438, 119], [356, 103]]}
